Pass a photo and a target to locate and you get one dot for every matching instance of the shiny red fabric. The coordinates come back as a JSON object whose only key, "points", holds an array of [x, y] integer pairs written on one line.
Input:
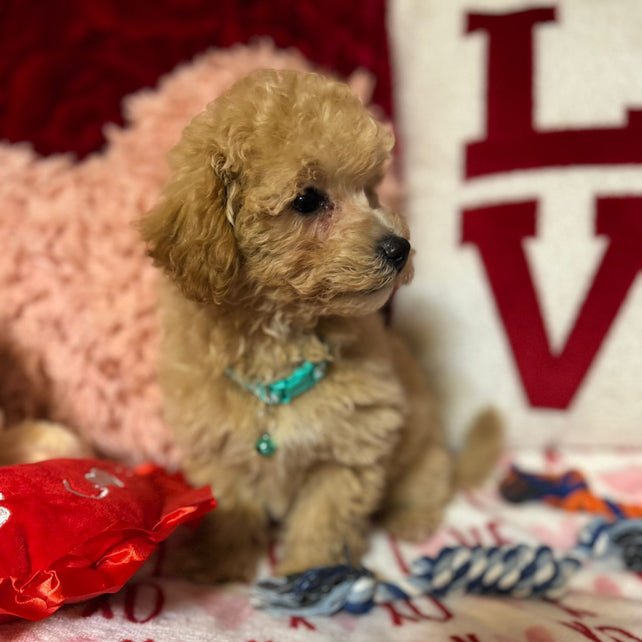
{"points": [[72, 529]]}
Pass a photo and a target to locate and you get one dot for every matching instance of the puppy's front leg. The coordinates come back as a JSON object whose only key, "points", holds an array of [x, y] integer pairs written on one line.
{"points": [[226, 546], [330, 517]]}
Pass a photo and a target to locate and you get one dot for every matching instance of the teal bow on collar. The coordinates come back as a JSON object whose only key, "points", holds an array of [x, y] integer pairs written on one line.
{"points": [[282, 391]]}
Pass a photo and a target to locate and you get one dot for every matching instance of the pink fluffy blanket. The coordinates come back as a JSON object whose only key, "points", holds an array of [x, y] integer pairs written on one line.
{"points": [[79, 332]]}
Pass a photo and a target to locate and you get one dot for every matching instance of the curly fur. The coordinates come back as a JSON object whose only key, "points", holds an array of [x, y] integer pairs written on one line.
{"points": [[255, 286]]}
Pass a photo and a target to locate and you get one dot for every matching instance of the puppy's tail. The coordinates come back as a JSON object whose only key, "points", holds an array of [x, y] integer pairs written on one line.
{"points": [[481, 450]]}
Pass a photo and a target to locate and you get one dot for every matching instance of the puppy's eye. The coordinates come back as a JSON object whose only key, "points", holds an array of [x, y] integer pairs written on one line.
{"points": [[309, 201]]}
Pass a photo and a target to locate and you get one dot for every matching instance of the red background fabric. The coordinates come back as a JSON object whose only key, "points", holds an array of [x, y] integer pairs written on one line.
{"points": [[66, 65]]}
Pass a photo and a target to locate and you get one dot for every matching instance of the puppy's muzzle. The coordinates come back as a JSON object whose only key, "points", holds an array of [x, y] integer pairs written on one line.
{"points": [[395, 250]]}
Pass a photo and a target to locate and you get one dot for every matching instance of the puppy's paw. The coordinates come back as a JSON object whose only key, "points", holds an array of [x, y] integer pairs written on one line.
{"points": [[214, 554], [213, 570], [303, 563], [304, 556], [412, 524], [193, 561]]}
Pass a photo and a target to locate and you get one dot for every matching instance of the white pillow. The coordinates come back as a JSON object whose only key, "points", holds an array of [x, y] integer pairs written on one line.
{"points": [[521, 126]]}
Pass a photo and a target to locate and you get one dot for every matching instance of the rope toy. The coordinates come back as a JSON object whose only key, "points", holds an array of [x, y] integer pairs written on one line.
{"points": [[569, 491], [518, 571]]}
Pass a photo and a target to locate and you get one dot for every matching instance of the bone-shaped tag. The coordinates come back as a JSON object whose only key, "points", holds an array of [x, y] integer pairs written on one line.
{"points": [[100, 480]]}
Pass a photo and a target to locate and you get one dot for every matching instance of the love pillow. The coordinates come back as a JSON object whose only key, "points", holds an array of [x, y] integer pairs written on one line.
{"points": [[521, 124], [72, 529]]}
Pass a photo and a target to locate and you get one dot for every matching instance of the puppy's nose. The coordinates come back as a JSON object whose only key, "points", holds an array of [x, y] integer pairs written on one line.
{"points": [[395, 250]]}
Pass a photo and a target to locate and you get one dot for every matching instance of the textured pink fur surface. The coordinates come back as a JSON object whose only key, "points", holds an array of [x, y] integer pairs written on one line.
{"points": [[79, 332]]}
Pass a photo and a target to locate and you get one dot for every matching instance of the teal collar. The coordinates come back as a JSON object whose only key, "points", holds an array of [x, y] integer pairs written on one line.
{"points": [[282, 391]]}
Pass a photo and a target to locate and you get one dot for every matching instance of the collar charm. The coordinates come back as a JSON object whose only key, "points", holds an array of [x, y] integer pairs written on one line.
{"points": [[282, 391], [265, 445]]}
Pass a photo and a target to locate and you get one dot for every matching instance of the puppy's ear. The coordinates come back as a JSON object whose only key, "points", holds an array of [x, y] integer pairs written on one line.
{"points": [[190, 231]]}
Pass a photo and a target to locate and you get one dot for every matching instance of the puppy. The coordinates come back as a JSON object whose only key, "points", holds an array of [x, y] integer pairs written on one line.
{"points": [[286, 391]]}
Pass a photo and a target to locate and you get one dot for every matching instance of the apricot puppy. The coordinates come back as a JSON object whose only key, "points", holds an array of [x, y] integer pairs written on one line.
{"points": [[287, 393]]}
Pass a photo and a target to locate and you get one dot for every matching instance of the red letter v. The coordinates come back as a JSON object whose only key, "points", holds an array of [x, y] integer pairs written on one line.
{"points": [[552, 380]]}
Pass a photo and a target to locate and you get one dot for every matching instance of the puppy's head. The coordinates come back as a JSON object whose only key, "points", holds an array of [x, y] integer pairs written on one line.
{"points": [[273, 200]]}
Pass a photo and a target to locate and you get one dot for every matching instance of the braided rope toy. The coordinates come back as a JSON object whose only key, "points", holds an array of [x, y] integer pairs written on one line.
{"points": [[518, 571], [569, 490]]}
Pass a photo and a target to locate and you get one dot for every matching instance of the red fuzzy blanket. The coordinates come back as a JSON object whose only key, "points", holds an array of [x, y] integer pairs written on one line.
{"points": [[65, 66]]}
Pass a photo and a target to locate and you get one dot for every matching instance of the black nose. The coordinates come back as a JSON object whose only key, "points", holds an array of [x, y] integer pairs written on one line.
{"points": [[395, 250]]}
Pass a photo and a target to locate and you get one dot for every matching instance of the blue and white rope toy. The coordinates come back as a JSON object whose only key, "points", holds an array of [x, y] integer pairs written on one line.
{"points": [[518, 571]]}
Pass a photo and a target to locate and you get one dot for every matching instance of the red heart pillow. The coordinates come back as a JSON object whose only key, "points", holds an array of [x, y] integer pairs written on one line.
{"points": [[72, 529]]}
